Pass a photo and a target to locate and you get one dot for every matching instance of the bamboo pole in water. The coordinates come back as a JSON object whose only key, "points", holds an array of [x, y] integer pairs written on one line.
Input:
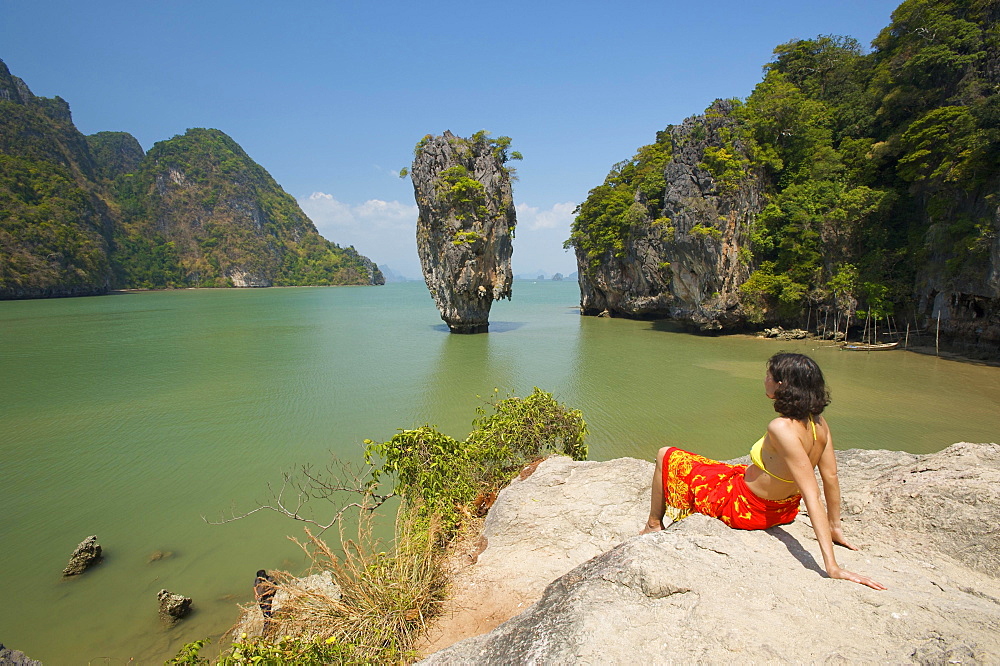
{"points": [[937, 336], [906, 343]]}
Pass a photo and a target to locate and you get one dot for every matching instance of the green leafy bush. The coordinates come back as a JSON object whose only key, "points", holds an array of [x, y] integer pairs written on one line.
{"points": [[444, 475], [521, 430]]}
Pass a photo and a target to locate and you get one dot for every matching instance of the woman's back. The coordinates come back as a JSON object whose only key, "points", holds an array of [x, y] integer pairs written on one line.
{"points": [[770, 476]]}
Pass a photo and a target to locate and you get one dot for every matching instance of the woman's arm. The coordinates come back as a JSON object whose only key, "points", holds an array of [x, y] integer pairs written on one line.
{"points": [[787, 445], [831, 492]]}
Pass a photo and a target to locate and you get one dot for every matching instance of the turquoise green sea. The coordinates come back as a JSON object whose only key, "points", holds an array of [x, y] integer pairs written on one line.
{"points": [[133, 416]]}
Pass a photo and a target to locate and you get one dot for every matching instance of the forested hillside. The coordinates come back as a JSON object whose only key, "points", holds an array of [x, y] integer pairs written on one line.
{"points": [[82, 214], [877, 174], [198, 211]]}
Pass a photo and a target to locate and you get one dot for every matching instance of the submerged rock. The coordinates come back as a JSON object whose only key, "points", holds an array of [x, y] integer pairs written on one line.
{"points": [[87, 553], [158, 555], [465, 226], [173, 606]]}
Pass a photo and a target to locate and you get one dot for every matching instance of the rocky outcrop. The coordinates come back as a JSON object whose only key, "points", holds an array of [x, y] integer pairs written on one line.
{"points": [[701, 592], [779, 333], [686, 263], [370, 268], [86, 554], [242, 278], [9, 657], [173, 606], [465, 226], [115, 153]]}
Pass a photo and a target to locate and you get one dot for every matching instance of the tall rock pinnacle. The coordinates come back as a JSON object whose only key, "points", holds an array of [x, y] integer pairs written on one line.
{"points": [[465, 226]]}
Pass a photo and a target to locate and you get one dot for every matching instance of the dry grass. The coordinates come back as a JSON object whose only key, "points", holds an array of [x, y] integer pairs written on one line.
{"points": [[384, 598]]}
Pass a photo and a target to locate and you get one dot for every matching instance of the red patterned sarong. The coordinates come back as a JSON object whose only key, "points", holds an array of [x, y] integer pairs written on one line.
{"points": [[694, 483]]}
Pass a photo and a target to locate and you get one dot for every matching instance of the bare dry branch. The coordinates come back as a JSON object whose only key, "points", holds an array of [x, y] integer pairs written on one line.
{"points": [[327, 484]]}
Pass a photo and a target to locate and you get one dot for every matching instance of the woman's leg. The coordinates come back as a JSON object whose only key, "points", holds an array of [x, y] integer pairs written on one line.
{"points": [[657, 502]]}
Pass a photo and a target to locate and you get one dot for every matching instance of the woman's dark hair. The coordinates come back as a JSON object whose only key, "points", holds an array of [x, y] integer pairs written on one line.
{"points": [[262, 573], [802, 392]]}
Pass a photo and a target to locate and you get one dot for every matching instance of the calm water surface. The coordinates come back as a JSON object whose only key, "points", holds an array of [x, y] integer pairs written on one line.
{"points": [[132, 416]]}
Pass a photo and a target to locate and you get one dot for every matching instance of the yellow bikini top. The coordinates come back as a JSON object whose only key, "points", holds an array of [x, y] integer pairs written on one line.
{"points": [[755, 450]]}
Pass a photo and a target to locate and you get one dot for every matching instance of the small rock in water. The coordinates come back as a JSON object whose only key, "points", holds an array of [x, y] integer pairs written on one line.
{"points": [[87, 553], [9, 657], [173, 606], [158, 555]]}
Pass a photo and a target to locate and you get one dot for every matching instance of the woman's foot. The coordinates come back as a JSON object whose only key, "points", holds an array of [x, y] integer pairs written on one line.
{"points": [[652, 525]]}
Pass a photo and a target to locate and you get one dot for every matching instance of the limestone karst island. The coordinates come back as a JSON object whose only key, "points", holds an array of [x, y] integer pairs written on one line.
{"points": [[202, 467], [466, 225]]}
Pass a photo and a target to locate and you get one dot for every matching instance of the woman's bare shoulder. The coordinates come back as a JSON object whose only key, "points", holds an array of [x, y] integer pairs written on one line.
{"points": [[780, 425]]}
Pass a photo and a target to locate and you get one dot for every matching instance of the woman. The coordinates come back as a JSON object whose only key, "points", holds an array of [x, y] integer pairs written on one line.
{"points": [[766, 492]]}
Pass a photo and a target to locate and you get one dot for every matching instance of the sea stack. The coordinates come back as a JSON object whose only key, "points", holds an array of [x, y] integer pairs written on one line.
{"points": [[466, 224]]}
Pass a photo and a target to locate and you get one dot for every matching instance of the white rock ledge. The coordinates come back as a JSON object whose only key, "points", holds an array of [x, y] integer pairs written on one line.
{"points": [[562, 544]]}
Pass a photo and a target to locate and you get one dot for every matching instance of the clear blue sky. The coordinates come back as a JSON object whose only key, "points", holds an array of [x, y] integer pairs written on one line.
{"points": [[331, 96]]}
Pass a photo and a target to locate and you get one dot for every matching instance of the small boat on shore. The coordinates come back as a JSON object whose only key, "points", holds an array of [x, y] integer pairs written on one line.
{"points": [[857, 346]]}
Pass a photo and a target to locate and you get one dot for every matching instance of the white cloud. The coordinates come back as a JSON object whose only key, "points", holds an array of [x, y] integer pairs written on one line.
{"points": [[383, 231], [389, 213], [532, 218], [324, 209]]}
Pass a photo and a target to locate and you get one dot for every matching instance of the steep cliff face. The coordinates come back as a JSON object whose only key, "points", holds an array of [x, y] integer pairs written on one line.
{"points": [[686, 263], [465, 226], [54, 225], [964, 290]]}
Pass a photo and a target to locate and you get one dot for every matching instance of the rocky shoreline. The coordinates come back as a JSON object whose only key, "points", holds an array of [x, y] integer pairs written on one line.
{"points": [[563, 577]]}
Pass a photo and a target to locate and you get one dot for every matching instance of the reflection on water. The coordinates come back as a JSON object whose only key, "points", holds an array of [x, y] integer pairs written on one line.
{"points": [[132, 416]]}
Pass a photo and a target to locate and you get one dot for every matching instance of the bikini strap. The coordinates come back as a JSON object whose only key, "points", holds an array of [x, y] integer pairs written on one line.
{"points": [[813, 423]]}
